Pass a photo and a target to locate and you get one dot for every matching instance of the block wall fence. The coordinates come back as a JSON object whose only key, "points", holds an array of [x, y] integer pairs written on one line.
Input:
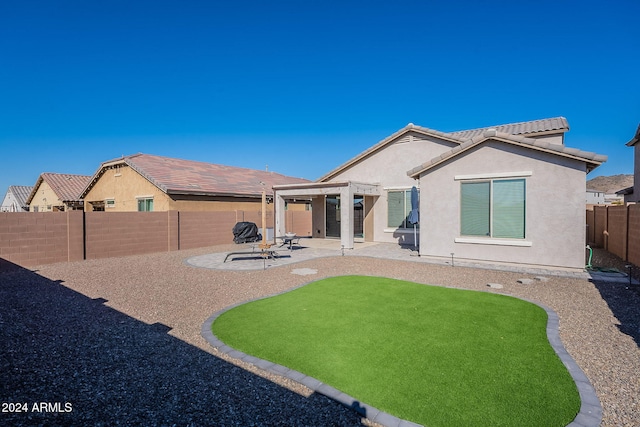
{"points": [[32, 238], [616, 229]]}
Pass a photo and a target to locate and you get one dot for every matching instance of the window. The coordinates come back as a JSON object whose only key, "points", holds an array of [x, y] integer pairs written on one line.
{"points": [[110, 203], [493, 208], [399, 208], [145, 205]]}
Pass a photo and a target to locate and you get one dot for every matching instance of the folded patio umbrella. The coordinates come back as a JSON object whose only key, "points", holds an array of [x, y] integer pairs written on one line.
{"points": [[414, 215]]}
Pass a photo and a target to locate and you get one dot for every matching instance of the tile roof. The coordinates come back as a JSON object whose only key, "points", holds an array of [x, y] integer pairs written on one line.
{"points": [[21, 193], [551, 125], [593, 160], [555, 125], [178, 176], [66, 186]]}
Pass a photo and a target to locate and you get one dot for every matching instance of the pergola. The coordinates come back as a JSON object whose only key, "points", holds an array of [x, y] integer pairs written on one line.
{"points": [[345, 189]]}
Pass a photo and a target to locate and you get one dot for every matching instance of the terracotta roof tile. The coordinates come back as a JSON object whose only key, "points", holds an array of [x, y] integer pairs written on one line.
{"points": [[178, 176], [66, 186]]}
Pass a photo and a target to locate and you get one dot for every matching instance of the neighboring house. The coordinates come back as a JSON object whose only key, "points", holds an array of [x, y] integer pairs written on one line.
{"points": [[594, 197], [57, 192], [597, 197], [632, 194], [16, 199], [626, 194], [486, 194], [145, 182], [613, 198]]}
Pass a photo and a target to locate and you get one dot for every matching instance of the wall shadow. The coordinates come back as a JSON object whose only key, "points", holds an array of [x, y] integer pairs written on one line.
{"points": [[624, 301], [93, 365]]}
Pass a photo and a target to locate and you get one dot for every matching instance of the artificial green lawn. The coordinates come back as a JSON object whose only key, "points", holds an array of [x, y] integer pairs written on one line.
{"points": [[432, 355]]}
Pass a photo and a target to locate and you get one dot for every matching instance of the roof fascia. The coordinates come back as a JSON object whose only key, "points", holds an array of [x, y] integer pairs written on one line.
{"points": [[211, 194], [311, 185], [119, 162], [35, 189], [101, 170], [635, 139]]}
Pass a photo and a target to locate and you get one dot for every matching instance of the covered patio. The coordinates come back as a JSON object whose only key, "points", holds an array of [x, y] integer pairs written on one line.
{"points": [[333, 208]]}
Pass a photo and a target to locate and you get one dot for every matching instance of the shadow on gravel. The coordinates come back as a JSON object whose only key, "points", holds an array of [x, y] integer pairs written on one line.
{"points": [[66, 359], [624, 302]]}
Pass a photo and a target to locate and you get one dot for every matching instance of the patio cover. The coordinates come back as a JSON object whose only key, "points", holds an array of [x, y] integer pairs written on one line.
{"points": [[345, 189]]}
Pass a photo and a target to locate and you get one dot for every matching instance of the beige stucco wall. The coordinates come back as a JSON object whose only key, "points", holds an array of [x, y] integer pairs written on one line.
{"points": [[45, 199], [318, 216], [218, 204], [555, 214], [123, 184], [388, 167]]}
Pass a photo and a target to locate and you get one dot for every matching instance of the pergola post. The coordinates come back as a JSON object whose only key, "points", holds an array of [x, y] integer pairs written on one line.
{"points": [[346, 217], [280, 225]]}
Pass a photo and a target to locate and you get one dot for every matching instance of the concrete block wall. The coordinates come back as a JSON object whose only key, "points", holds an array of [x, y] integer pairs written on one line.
{"points": [[299, 222], [616, 229], [201, 229], [114, 234], [600, 226], [591, 227], [633, 238], [32, 238]]}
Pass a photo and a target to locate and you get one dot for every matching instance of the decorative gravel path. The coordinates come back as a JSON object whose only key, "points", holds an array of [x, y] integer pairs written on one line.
{"points": [[117, 341]]}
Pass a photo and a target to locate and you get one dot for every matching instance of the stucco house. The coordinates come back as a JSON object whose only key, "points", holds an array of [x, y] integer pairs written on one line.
{"points": [[145, 182], [594, 198], [15, 200], [632, 194], [57, 192], [484, 194]]}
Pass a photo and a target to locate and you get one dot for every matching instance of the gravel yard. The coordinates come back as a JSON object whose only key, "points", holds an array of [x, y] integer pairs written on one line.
{"points": [[117, 341]]}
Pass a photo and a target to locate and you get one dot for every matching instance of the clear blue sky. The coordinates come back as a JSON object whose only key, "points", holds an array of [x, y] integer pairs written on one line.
{"points": [[302, 86]]}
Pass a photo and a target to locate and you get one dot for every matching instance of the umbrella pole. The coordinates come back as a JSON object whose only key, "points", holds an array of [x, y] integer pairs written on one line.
{"points": [[264, 245]]}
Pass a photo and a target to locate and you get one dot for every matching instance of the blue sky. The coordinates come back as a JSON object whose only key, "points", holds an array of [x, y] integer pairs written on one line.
{"points": [[303, 86]]}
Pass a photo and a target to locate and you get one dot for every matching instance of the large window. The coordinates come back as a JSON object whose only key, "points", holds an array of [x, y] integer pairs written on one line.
{"points": [[398, 209], [145, 205], [493, 208]]}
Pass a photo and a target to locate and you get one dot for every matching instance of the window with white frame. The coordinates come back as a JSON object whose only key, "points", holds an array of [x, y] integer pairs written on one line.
{"points": [[493, 208], [399, 208], [110, 203], [145, 204]]}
